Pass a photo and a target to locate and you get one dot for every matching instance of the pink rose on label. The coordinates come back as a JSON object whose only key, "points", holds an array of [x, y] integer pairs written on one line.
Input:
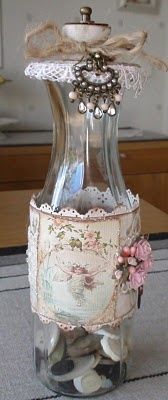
{"points": [[137, 278], [143, 250]]}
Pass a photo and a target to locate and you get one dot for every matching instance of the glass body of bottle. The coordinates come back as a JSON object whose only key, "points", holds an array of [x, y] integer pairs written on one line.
{"points": [[84, 175]]}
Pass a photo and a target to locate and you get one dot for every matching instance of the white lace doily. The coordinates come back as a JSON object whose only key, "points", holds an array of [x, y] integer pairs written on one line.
{"points": [[91, 195], [130, 76]]}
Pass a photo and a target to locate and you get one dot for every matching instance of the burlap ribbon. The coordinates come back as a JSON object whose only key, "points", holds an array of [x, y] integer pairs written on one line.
{"points": [[46, 41]]}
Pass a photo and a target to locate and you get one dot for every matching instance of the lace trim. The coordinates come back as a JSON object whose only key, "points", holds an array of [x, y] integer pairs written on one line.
{"points": [[92, 195], [130, 76]]}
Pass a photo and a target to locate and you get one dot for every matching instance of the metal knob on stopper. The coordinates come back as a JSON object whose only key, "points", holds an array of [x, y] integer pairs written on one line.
{"points": [[86, 13]]}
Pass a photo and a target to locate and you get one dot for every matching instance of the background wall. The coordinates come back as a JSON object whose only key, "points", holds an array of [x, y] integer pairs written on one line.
{"points": [[27, 99]]}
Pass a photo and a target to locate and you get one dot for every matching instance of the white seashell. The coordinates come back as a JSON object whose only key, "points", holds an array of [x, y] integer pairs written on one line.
{"points": [[54, 338], [88, 383], [112, 348], [58, 352], [109, 332], [81, 366]]}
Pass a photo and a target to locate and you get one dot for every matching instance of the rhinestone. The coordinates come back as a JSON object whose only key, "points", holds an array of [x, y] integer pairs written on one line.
{"points": [[104, 67], [97, 89], [97, 55], [111, 110], [90, 88], [84, 84], [89, 67], [77, 68], [79, 78], [103, 88], [98, 113], [77, 73], [109, 85], [116, 74], [114, 81], [75, 83], [82, 107]]}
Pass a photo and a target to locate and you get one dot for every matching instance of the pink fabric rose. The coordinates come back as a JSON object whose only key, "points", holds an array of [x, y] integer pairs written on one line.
{"points": [[137, 278], [143, 250]]}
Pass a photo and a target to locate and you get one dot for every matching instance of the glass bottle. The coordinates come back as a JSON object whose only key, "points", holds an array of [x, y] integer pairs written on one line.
{"points": [[85, 216]]}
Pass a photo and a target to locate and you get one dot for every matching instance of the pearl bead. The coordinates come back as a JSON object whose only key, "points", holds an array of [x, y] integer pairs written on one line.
{"points": [[104, 107], [73, 95], [118, 98], [126, 251], [120, 259], [90, 106]]}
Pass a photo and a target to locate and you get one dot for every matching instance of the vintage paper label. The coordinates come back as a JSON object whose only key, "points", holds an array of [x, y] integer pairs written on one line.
{"points": [[72, 275]]}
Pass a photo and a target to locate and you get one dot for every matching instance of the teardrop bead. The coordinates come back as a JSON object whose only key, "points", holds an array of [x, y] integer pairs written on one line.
{"points": [[98, 113], [82, 107], [111, 110]]}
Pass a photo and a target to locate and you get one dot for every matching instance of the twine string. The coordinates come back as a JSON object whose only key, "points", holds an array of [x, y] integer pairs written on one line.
{"points": [[46, 41]]}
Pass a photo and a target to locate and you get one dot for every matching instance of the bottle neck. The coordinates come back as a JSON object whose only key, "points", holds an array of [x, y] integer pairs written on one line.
{"points": [[84, 158]]}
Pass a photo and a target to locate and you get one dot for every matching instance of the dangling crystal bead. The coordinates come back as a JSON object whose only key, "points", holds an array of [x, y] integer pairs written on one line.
{"points": [[98, 113], [111, 110], [82, 107]]}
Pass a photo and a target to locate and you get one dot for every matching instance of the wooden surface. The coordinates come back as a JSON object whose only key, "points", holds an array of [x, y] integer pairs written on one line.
{"points": [[144, 166], [14, 218]]}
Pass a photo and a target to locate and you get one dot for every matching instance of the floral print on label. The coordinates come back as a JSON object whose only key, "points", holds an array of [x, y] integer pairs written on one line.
{"points": [[73, 280]]}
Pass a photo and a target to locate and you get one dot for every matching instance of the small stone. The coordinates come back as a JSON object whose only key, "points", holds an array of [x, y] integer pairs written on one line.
{"points": [[111, 110], [81, 366], [82, 107], [77, 68], [98, 113], [62, 367]]}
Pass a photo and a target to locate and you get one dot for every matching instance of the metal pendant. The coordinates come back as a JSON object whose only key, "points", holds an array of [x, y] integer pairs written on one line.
{"points": [[96, 87]]}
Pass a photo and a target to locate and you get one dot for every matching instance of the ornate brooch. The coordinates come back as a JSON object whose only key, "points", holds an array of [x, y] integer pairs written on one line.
{"points": [[96, 87]]}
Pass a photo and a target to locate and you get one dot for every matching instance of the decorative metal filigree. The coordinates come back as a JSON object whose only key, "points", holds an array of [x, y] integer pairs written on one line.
{"points": [[98, 96]]}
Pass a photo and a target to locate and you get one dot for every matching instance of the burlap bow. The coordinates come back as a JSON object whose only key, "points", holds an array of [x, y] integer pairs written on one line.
{"points": [[46, 41]]}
